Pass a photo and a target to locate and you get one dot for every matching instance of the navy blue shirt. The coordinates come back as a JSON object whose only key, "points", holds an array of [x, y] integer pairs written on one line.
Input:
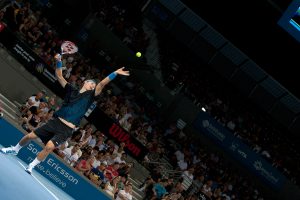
{"points": [[75, 104]]}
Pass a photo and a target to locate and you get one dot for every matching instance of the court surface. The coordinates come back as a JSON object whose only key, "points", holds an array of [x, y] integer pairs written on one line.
{"points": [[16, 184]]}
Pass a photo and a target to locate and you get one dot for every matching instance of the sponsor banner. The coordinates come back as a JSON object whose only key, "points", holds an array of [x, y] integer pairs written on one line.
{"points": [[237, 149], [115, 132], [52, 168]]}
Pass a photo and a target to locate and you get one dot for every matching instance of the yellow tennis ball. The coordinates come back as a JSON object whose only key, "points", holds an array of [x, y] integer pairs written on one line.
{"points": [[138, 54]]}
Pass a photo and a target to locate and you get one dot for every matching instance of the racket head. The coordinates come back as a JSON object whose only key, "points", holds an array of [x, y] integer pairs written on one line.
{"points": [[68, 47]]}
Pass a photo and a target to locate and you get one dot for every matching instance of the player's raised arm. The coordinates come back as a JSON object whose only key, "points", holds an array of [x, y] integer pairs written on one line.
{"points": [[58, 71], [109, 78]]}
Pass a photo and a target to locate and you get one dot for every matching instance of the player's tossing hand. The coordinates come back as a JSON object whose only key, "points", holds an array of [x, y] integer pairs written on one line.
{"points": [[121, 71]]}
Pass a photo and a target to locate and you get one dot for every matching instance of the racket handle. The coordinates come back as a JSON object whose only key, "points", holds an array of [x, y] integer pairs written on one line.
{"points": [[58, 57]]}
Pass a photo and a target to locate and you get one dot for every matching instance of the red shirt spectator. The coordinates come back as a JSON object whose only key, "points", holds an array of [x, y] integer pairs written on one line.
{"points": [[111, 171]]}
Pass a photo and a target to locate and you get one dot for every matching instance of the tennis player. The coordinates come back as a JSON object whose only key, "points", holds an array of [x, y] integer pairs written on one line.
{"points": [[60, 128]]}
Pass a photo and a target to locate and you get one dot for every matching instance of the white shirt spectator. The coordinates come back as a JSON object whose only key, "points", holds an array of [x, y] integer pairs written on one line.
{"points": [[125, 124], [102, 146], [119, 160], [96, 163], [86, 140], [182, 165], [33, 101], [126, 116], [92, 142], [69, 157], [179, 155], [127, 196]]}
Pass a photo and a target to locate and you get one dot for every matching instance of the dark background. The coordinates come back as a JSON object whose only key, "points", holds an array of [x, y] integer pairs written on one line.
{"points": [[251, 25]]}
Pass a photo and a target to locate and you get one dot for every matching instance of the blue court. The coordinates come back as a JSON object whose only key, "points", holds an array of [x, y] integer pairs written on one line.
{"points": [[52, 179], [15, 183]]}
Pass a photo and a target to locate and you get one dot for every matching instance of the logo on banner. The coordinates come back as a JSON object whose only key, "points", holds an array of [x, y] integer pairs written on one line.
{"points": [[118, 133], [264, 172], [234, 146], [213, 130]]}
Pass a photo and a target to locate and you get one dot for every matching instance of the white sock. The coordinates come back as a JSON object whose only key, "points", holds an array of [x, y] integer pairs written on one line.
{"points": [[17, 147], [34, 163]]}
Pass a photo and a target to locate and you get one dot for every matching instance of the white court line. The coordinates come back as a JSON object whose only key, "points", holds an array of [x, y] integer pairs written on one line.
{"points": [[8, 100], [3, 103], [7, 113], [41, 183]]}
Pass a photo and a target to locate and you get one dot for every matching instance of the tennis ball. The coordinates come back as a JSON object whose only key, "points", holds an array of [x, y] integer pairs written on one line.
{"points": [[138, 54]]}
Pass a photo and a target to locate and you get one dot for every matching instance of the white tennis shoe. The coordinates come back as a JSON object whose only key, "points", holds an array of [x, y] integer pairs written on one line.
{"points": [[9, 151]]}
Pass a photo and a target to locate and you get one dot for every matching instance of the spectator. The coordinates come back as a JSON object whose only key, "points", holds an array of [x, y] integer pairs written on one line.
{"points": [[71, 155], [85, 165], [111, 187], [125, 194]]}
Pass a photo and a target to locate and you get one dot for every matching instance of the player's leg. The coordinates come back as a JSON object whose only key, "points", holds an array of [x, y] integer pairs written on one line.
{"points": [[42, 155], [53, 134], [14, 150]]}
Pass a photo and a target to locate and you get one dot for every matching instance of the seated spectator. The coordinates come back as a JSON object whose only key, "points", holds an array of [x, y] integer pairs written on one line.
{"points": [[124, 169], [32, 101], [31, 120], [111, 187], [71, 155], [122, 183], [120, 150], [121, 159], [111, 171], [92, 142], [85, 165], [207, 188], [159, 189], [97, 174], [188, 177], [125, 194], [86, 137], [98, 159]]}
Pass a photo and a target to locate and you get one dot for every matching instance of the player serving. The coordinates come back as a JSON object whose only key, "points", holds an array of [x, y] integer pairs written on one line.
{"points": [[76, 103]]}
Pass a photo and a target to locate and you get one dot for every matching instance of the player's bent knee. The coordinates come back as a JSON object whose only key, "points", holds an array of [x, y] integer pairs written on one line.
{"points": [[49, 146]]}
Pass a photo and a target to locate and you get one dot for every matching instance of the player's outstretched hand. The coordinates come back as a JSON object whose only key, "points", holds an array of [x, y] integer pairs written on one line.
{"points": [[121, 71]]}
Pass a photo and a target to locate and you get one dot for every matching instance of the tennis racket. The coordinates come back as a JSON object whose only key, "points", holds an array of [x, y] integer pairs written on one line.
{"points": [[68, 47]]}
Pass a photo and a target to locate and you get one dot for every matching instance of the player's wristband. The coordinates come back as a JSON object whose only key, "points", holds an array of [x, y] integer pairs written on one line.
{"points": [[112, 76], [59, 64]]}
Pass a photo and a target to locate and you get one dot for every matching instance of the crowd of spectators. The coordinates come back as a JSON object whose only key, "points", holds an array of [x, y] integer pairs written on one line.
{"points": [[202, 174], [182, 73]]}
